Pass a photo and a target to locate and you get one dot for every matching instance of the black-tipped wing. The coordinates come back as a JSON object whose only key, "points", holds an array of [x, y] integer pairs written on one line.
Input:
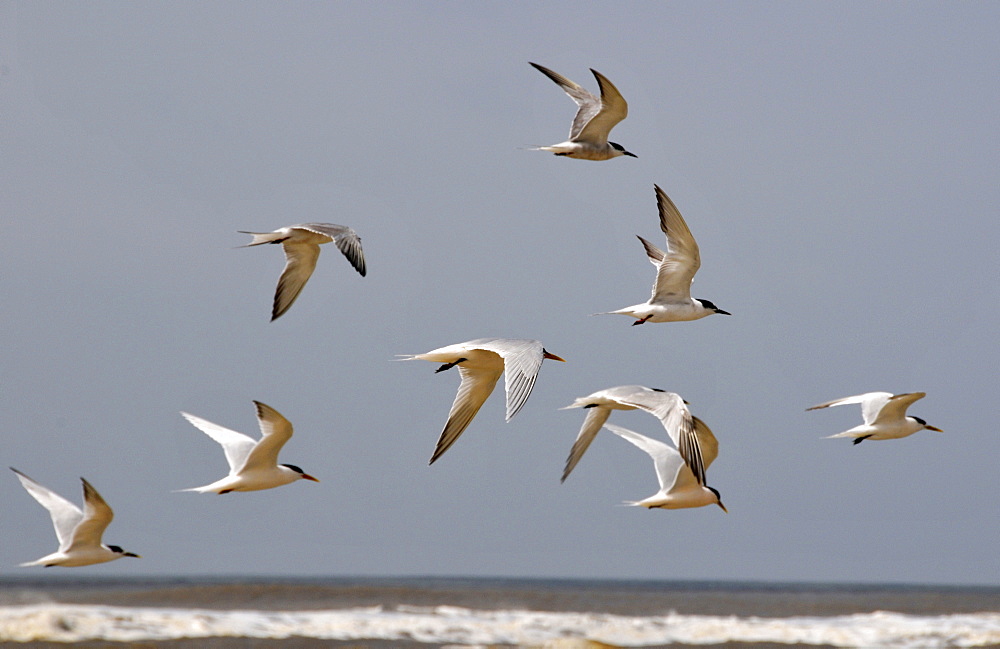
{"points": [[592, 423], [589, 104], [895, 407], [682, 260], [346, 240], [613, 109], [521, 361], [97, 515], [672, 471], [300, 262], [275, 431], [476, 387], [675, 417]]}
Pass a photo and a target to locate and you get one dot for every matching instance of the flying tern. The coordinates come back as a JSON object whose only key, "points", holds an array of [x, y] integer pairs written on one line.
{"points": [[480, 363], [679, 488], [671, 300], [253, 464], [588, 137], [599, 405], [79, 532], [884, 414], [301, 244]]}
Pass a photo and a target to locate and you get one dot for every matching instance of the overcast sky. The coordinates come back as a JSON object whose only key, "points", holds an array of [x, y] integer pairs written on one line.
{"points": [[838, 163]]}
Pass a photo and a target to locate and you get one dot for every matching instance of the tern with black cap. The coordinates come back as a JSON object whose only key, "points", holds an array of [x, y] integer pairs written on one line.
{"points": [[480, 363], [588, 136], [884, 415], [253, 464], [671, 300], [79, 532]]}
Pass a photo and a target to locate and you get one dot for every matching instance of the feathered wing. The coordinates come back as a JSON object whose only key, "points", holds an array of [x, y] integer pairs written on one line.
{"points": [[682, 260], [613, 109], [237, 446], [97, 515], [476, 386], [592, 423], [65, 515], [588, 103], [706, 441], [654, 254], [300, 262], [671, 471], [871, 404], [675, 417], [346, 240], [275, 431], [521, 361], [895, 407]]}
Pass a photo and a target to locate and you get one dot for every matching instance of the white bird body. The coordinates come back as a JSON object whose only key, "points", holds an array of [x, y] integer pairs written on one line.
{"points": [[884, 416], [301, 244], [253, 464], [679, 488], [79, 532], [480, 363], [596, 116], [671, 299], [599, 405]]}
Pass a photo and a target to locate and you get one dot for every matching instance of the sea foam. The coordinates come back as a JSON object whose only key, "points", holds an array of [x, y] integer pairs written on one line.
{"points": [[464, 626]]}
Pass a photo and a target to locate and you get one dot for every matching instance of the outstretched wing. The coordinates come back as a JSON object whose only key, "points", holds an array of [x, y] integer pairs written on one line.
{"points": [[675, 417], [613, 109], [97, 515], [871, 404], [706, 440], [521, 361], [671, 470], [237, 446], [895, 407], [65, 515], [682, 260], [588, 103], [300, 262], [476, 386], [346, 240], [275, 431], [592, 423]]}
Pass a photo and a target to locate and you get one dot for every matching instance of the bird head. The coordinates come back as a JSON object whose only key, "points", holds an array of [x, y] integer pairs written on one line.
{"points": [[718, 498], [546, 354], [709, 305], [302, 474], [620, 148], [117, 549], [926, 425]]}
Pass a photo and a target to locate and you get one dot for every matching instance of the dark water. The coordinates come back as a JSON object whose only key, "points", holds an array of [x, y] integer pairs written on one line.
{"points": [[619, 597]]}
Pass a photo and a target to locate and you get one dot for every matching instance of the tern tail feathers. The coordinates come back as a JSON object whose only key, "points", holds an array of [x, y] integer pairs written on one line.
{"points": [[263, 237], [194, 489]]}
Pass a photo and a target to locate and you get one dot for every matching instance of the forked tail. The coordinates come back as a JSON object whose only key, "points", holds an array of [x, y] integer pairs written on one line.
{"points": [[262, 237]]}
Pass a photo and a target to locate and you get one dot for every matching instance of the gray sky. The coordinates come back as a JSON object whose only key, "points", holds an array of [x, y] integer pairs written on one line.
{"points": [[837, 162]]}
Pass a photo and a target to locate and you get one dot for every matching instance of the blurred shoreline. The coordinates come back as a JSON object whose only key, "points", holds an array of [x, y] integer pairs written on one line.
{"points": [[379, 613]]}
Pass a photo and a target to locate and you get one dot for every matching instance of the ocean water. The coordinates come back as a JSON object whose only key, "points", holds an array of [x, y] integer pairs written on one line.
{"points": [[437, 612]]}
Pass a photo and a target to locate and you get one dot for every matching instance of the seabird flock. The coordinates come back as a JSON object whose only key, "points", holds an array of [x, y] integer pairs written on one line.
{"points": [[680, 469]]}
